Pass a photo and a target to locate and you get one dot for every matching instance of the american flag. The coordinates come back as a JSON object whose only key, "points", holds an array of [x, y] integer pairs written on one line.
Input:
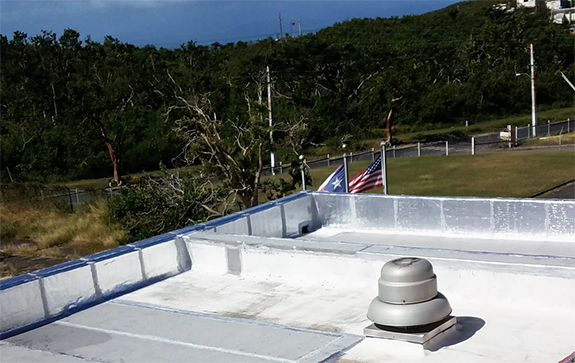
{"points": [[368, 179]]}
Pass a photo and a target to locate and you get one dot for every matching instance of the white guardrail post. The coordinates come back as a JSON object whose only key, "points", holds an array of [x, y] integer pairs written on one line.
{"points": [[473, 145]]}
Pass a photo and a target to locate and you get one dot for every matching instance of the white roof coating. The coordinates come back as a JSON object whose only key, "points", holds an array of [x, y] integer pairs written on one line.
{"points": [[259, 296]]}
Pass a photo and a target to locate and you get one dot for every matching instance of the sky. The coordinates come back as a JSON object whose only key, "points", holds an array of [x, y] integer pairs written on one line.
{"points": [[171, 23]]}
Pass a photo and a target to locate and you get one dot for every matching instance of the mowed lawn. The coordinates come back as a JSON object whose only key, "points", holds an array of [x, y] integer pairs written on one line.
{"points": [[509, 174]]}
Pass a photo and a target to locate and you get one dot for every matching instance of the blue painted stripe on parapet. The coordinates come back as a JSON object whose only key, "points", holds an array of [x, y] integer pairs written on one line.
{"points": [[86, 304], [237, 215], [153, 240], [63, 267], [194, 228], [15, 281], [97, 257], [291, 198]]}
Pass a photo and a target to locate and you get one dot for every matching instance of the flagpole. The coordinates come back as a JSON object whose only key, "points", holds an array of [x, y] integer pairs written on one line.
{"points": [[346, 173], [302, 170], [384, 167]]}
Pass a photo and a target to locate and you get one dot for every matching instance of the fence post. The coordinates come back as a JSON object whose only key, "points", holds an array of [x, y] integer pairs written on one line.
{"points": [[77, 197], [327, 159], [302, 170], [281, 168], [346, 173], [473, 145], [418, 148], [69, 192], [515, 135], [528, 132], [548, 127], [351, 156], [447, 148], [372, 154], [568, 125], [384, 168]]}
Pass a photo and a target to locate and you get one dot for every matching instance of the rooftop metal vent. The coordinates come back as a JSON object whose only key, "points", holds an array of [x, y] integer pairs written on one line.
{"points": [[408, 306]]}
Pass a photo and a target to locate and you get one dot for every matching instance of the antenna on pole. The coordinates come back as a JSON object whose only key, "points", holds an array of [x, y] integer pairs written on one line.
{"points": [[292, 24], [281, 31]]}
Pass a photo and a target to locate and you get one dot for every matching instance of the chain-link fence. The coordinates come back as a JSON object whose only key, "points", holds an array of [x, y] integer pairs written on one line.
{"points": [[544, 129], [61, 197]]}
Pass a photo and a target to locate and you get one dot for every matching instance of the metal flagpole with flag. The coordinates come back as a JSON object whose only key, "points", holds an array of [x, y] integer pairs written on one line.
{"points": [[334, 183], [368, 179]]}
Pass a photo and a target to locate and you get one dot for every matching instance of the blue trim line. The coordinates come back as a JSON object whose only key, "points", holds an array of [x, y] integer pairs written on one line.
{"points": [[153, 240], [63, 267], [110, 253], [15, 281], [194, 228], [85, 304], [291, 198]]}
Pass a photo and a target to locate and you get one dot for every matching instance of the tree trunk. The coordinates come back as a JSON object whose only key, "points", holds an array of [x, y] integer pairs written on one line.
{"points": [[112, 152], [114, 162], [388, 127], [388, 141]]}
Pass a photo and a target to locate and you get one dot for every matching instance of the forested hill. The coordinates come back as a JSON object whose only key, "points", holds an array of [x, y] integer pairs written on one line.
{"points": [[66, 102]]}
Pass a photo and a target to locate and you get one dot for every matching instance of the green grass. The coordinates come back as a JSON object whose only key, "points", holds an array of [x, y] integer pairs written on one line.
{"points": [[55, 233], [508, 174], [565, 139]]}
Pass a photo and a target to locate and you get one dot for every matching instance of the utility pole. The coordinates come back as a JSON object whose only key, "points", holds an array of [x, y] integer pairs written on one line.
{"points": [[281, 31], [533, 104], [272, 153], [299, 24]]}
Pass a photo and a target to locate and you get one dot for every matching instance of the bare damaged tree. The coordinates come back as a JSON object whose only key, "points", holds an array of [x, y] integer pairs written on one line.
{"points": [[389, 120], [111, 151], [237, 162]]}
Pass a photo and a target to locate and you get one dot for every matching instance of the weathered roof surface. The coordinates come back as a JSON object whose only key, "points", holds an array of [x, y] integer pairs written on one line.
{"points": [[246, 291]]}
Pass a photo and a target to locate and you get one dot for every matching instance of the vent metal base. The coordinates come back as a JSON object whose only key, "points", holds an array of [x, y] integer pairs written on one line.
{"points": [[418, 335]]}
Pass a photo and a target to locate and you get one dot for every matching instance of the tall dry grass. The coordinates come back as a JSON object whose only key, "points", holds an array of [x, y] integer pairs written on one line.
{"points": [[42, 231]]}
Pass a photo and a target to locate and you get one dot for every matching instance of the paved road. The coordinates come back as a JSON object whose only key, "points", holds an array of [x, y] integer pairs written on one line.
{"points": [[566, 192]]}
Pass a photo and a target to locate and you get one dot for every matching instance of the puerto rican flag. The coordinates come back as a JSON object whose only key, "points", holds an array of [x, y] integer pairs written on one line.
{"points": [[334, 183], [368, 179]]}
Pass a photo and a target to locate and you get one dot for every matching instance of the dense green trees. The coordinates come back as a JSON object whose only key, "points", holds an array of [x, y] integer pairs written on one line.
{"points": [[72, 109]]}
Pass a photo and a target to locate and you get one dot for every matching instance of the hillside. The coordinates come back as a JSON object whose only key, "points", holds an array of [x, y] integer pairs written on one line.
{"points": [[69, 106]]}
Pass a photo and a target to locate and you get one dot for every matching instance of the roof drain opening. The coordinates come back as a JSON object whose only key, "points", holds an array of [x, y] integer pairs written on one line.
{"points": [[408, 306]]}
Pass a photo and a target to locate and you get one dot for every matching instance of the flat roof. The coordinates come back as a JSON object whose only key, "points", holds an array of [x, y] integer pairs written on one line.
{"points": [[291, 282]]}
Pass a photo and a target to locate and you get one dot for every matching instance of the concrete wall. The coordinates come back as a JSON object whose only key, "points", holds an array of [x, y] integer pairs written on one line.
{"points": [[34, 299], [530, 219], [37, 298], [287, 217]]}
